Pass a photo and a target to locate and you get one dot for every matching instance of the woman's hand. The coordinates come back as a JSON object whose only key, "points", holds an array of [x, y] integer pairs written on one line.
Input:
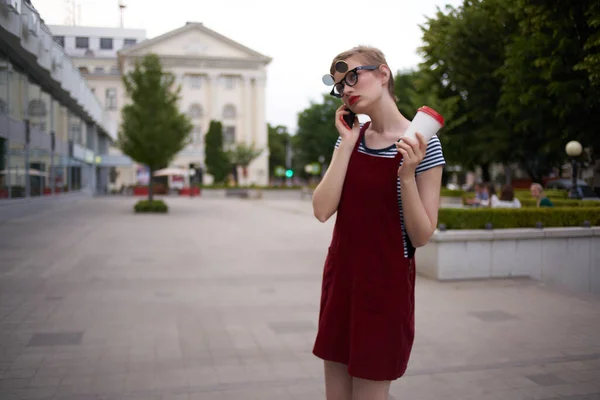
{"points": [[413, 153], [348, 134]]}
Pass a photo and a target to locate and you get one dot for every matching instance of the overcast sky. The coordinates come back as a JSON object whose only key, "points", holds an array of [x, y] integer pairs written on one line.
{"points": [[301, 36]]}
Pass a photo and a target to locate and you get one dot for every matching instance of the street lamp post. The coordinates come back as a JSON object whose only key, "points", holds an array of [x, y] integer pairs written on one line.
{"points": [[573, 149]]}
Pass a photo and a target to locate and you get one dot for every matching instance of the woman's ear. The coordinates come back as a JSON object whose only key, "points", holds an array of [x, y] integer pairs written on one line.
{"points": [[385, 72]]}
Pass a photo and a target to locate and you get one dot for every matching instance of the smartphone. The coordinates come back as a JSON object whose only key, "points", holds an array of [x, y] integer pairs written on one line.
{"points": [[349, 118]]}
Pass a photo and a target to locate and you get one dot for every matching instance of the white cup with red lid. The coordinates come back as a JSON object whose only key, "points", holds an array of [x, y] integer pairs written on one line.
{"points": [[427, 122]]}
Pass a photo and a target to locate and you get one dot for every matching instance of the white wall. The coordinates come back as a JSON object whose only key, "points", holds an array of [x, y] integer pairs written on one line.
{"points": [[563, 257]]}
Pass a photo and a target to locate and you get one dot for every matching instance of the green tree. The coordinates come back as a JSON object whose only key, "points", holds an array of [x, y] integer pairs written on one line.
{"points": [[217, 160], [316, 134], [242, 155], [153, 130], [278, 138], [463, 49], [551, 91], [517, 78]]}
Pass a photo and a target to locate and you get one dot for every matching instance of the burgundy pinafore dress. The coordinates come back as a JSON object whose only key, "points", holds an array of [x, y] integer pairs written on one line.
{"points": [[366, 317]]}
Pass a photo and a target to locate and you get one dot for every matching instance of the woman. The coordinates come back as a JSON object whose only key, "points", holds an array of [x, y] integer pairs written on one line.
{"points": [[386, 194], [507, 199], [537, 192]]}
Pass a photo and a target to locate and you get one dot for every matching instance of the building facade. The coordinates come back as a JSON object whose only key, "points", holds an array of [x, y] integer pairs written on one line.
{"points": [[53, 130], [220, 80]]}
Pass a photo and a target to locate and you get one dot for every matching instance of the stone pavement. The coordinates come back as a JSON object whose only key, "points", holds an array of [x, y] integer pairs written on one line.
{"points": [[219, 300]]}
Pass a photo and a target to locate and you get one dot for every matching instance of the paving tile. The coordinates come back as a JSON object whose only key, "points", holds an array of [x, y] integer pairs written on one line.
{"points": [[56, 339], [283, 327], [546, 379], [493, 316]]}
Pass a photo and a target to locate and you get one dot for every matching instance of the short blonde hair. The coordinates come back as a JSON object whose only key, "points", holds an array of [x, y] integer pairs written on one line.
{"points": [[370, 55]]}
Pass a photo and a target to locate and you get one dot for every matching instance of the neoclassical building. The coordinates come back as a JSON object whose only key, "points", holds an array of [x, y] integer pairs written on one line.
{"points": [[220, 80]]}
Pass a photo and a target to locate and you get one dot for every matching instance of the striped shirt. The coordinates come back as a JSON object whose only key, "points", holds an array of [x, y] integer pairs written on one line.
{"points": [[434, 157]]}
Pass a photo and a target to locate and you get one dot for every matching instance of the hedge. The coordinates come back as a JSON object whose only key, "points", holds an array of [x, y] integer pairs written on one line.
{"points": [[452, 193], [550, 193], [531, 202], [460, 218], [562, 203], [156, 206]]}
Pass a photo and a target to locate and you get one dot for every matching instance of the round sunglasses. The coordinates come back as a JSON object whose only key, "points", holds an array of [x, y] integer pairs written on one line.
{"points": [[350, 79]]}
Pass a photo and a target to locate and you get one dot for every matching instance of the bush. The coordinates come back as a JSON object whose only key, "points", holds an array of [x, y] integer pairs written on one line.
{"points": [[157, 206], [457, 218], [550, 193], [451, 193], [562, 203], [558, 202]]}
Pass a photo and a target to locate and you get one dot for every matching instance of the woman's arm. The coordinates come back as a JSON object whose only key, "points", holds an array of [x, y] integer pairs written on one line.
{"points": [[326, 196], [420, 183], [420, 204]]}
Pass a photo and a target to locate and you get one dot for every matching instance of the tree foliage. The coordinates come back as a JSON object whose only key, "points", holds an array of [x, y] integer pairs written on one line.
{"points": [[243, 154], [278, 138], [519, 79], [316, 134], [153, 130], [216, 158]]}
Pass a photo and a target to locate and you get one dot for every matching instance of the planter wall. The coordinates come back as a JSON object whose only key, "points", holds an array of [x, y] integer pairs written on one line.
{"points": [[563, 257]]}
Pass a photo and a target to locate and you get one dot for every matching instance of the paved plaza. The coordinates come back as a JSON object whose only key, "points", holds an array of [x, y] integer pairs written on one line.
{"points": [[219, 300]]}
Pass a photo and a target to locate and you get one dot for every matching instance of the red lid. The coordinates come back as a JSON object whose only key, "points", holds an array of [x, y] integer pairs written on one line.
{"points": [[433, 113]]}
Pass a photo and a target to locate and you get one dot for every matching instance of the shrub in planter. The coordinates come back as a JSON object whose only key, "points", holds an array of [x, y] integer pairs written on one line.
{"points": [[562, 203], [156, 206], [451, 193], [457, 218], [550, 193]]}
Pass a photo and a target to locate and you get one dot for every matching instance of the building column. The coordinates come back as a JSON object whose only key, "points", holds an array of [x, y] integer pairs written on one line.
{"points": [[260, 133], [93, 130], [52, 148], [213, 96], [247, 114]]}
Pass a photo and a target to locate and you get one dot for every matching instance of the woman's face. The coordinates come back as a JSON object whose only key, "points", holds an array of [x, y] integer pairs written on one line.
{"points": [[359, 87]]}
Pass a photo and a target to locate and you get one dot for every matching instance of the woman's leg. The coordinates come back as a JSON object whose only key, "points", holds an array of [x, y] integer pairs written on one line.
{"points": [[363, 389], [338, 384]]}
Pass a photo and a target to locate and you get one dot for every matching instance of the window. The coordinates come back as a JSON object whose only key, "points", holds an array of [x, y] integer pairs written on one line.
{"points": [[37, 113], [106, 43], [196, 135], [84, 70], [195, 111], [229, 135], [229, 111], [129, 42], [115, 70], [37, 108], [111, 99], [60, 40], [195, 81], [229, 82], [99, 70], [82, 42]]}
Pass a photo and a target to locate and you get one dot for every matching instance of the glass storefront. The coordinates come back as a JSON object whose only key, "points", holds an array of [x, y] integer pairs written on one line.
{"points": [[34, 170], [17, 92], [3, 85], [3, 168], [16, 174], [39, 166], [28, 165]]}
